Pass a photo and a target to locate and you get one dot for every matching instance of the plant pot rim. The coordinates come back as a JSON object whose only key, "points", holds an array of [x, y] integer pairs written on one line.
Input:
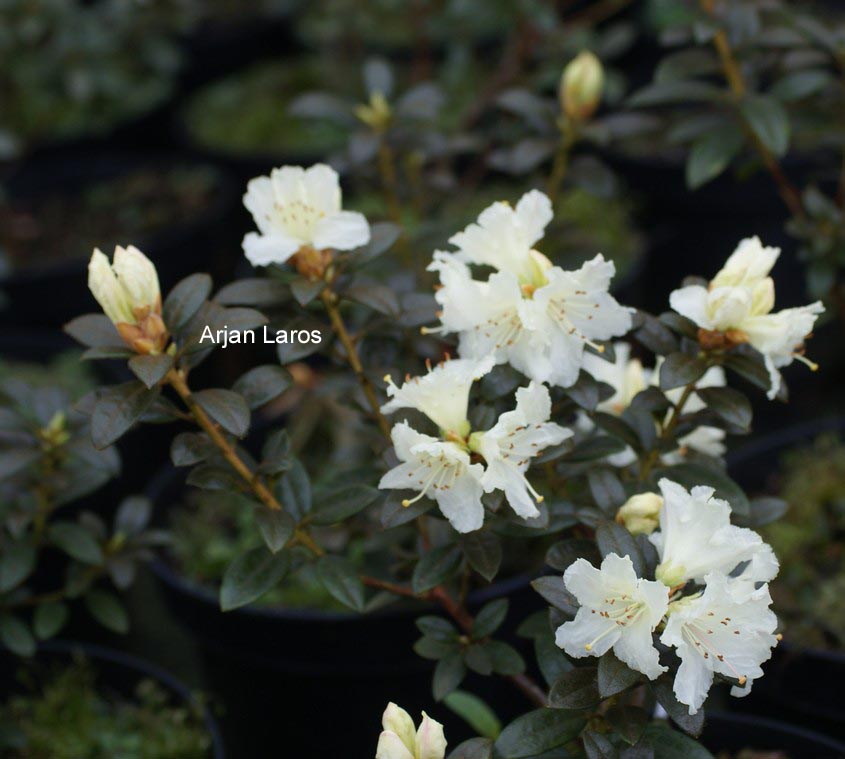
{"points": [[145, 668], [103, 164], [167, 574], [740, 721]]}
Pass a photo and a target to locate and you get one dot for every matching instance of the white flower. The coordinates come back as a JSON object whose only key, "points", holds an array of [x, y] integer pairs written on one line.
{"points": [[504, 237], [442, 394], [438, 469], [516, 438], [737, 308], [400, 740], [639, 513], [696, 537], [727, 629], [624, 374], [618, 610], [128, 292], [298, 208], [533, 315]]}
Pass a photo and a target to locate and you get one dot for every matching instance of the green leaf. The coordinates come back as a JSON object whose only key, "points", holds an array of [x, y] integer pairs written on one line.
{"points": [[679, 369], [14, 460], [117, 409], [76, 542], [48, 619], [185, 299], [607, 490], [479, 658], [262, 384], [576, 689], [628, 721], [483, 551], [434, 648], [375, 296], [474, 748], [294, 491], [275, 455], [276, 527], [670, 744], [151, 369], [344, 503], [729, 404], [506, 660], [691, 474], [95, 331], [555, 592], [133, 515], [258, 291], [305, 290], [598, 746], [435, 567], [448, 675], [107, 609], [227, 408], [189, 448], [250, 576], [665, 695], [340, 578], [553, 664], [799, 84], [763, 511], [711, 154], [564, 553], [536, 732], [478, 715], [769, 121], [614, 538], [490, 618], [15, 635], [437, 627], [615, 676], [16, 564], [675, 91]]}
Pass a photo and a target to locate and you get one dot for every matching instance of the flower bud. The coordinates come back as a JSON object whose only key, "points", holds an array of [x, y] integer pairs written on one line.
{"points": [[400, 740], [581, 86], [640, 513], [375, 114], [128, 292]]}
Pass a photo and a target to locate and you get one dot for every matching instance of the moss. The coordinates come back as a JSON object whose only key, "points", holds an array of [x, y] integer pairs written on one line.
{"points": [[67, 715], [248, 113], [810, 542]]}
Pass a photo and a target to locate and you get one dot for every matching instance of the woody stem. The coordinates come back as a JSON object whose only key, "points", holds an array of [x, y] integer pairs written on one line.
{"points": [[176, 379]]}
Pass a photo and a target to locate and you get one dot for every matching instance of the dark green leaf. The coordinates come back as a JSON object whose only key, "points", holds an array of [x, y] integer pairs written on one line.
{"points": [[48, 619], [576, 689], [598, 746], [95, 331], [16, 564], [670, 744], [675, 91], [448, 675], [434, 648], [344, 503], [594, 448], [227, 408], [76, 542], [16, 636], [117, 409], [607, 490], [340, 578], [275, 526], [258, 292], [615, 676], [151, 369], [294, 491], [474, 748], [275, 455], [554, 591], [490, 618], [185, 299], [614, 538], [250, 576], [627, 721], [262, 384], [506, 660], [729, 404], [478, 715], [437, 627], [382, 237], [189, 448], [133, 515], [769, 121], [799, 84], [305, 290], [483, 551], [764, 511], [376, 296], [665, 695], [711, 154], [562, 554], [479, 658], [435, 567], [14, 460], [537, 731], [107, 609], [553, 664], [679, 369]]}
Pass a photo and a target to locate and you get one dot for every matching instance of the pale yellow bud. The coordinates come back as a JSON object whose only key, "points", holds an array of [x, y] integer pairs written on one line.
{"points": [[640, 513], [376, 113], [581, 86]]}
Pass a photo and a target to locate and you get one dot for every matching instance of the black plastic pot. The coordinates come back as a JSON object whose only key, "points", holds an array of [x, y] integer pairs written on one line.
{"points": [[734, 732], [50, 294], [802, 685], [118, 672], [344, 668]]}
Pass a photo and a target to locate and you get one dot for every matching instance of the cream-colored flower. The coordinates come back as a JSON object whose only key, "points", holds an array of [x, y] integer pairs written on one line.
{"points": [[401, 740], [737, 306], [128, 292], [299, 209], [640, 513]]}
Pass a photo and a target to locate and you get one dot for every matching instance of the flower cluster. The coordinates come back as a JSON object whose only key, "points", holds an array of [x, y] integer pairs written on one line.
{"points": [[447, 468], [736, 308], [530, 314], [710, 597]]}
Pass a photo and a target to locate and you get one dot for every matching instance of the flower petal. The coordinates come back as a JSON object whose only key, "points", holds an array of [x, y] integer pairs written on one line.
{"points": [[344, 230], [275, 248]]}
